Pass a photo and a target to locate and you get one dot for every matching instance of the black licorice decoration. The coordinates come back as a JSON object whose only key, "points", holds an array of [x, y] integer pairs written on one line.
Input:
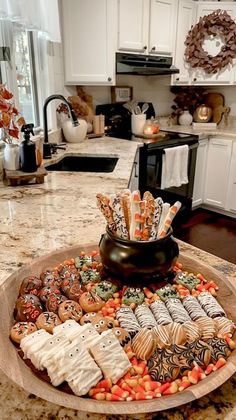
{"points": [[28, 150]]}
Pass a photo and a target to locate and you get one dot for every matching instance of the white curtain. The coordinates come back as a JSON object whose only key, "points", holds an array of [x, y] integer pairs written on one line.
{"points": [[40, 15]]}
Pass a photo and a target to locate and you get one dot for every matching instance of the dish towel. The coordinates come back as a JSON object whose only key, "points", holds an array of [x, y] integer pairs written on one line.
{"points": [[174, 166]]}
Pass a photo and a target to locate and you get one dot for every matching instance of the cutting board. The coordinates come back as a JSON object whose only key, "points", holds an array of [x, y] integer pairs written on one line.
{"points": [[216, 102]]}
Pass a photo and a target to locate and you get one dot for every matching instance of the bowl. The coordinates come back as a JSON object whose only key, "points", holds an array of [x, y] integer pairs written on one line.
{"points": [[134, 261]]}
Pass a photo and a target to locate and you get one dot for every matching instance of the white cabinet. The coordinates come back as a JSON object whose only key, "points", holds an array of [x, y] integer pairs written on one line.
{"points": [[147, 26], [200, 173], [133, 21], [89, 40], [231, 196], [185, 19], [217, 172]]}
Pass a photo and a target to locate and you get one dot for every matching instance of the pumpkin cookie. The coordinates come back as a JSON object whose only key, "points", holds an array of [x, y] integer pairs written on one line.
{"points": [[161, 334], [192, 330], [47, 321], [224, 326], [208, 327], [91, 302], [30, 285], [70, 310], [21, 329], [177, 333]]}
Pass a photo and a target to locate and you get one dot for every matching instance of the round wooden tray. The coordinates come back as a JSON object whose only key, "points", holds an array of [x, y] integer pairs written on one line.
{"points": [[16, 369]]}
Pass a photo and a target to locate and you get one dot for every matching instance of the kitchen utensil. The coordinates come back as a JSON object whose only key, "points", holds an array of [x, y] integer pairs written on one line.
{"points": [[137, 123], [137, 110], [202, 114], [216, 102], [129, 107], [145, 107]]}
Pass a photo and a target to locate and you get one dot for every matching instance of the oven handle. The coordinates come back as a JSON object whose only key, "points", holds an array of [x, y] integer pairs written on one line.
{"points": [[193, 146]]}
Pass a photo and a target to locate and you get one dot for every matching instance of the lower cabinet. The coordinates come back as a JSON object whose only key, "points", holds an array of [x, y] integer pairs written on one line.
{"points": [[134, 177], [217, 172], [200, 172], [231, 193]]}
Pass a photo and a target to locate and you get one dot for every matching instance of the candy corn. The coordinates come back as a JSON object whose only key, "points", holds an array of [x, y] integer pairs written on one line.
{"points": [[173, 388], [184, 384], [221, 362], [209, 369], [113, 397], [119, 391]]}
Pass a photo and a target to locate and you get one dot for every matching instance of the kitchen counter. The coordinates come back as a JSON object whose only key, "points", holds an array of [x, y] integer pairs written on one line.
{"points": [[223, 131], [62, 212]]}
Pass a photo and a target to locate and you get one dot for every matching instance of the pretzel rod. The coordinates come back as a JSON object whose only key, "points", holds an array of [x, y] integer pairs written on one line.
{"points": [[148, 214], [103, 205], [126, 197], [135, 210], [118, 216], [173, 210], [156, 217], [165, 209]]}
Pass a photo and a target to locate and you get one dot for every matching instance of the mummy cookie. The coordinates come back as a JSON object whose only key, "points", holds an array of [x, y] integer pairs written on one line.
{"points": [[53, 301], [224, 326], [177, 311], [123, 336], [30, 285], [177, 333], [105, 289], [192, 330], [110, 356], [161, 334], [47, 321], [70, 310], [28, 308], [75, 333], [32, 344], [161, 313], [91, 302], [219, 348], [167, 292], [201, 351], [210, 305], [46, 290], [163, 366], [89, 275], [187, 279], [50, 278], [133, 295], [145, 317], [144, 344], [128, 320], [101, 324], [207, 326], [193, 307], [21, 330], [87, 318], [72, 288]]}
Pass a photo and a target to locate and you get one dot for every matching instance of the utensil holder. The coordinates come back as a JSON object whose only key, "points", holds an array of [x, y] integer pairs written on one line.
{"points": [[137, 123]]}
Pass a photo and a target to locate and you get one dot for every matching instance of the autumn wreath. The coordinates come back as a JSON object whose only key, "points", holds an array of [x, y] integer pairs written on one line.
{"points": [[218, 23]]}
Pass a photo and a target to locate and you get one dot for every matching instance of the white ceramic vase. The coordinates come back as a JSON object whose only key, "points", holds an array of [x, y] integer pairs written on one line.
{"points": [[74, 134], [185, 118], [11, 157]]}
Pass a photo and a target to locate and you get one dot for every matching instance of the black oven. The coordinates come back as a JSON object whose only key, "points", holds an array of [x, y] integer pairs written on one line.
{"points": [[150, 169]]}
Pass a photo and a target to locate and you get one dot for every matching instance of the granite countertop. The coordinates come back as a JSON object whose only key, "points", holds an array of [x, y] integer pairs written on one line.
{"points": [[62, 212], [221, 130]]}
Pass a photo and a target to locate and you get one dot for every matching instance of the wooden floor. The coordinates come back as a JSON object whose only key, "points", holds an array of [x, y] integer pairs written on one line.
{"points": [[211, 232]]}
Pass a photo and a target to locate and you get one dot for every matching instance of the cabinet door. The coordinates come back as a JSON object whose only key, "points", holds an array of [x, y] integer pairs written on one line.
{"points": [[200, 172], [213, 45], [89, 41], [162, 26], [133, 23], [231, 196], [217, 172], [185, 19]]}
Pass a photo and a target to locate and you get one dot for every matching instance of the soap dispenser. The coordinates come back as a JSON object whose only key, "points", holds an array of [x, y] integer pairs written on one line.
{"points": [[28, 150]]}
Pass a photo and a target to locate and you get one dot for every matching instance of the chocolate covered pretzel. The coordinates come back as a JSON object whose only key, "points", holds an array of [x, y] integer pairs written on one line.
{"points": [[210, 305], [161, 313], [145, 317], [193, 307], [177, 311]]}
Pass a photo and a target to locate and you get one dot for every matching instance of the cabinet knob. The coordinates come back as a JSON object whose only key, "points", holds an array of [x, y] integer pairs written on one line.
{"points": [[153, 48], [195, 79], [145, 47], [109, 79], [177, 79]]}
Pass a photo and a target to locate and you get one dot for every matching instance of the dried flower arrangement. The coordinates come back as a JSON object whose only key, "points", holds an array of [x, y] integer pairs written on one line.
{"points": [[187, 98], [218, 23], [10, 120], [81, 104]]}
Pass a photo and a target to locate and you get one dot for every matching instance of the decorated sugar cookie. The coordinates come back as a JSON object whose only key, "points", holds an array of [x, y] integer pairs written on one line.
{"points": [[163, 365], [87, 318], [89, 275], [47, 321], [90, 302], [133, 295], [70, 310], [102, 324], [53, 301], [167, 292], [28, 308], [72, 288], [30, 285], [187, 279], [105, 289], [123, 336], [46, 290], [83, 260], [50, 278], [21, 329]]}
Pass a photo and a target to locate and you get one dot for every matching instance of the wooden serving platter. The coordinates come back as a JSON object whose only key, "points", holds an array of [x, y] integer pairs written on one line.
{"points": [[15, 368]]}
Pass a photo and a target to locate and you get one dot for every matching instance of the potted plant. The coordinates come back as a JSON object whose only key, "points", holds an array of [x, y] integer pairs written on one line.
{"points": [[10, 123], [187, 99]]}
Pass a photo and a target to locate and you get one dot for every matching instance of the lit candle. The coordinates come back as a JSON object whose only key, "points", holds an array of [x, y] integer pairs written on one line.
{"points": [[148, 129]]}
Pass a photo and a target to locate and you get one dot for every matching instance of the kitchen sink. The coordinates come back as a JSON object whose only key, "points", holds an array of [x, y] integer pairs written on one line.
{"points": [[84, 164]]}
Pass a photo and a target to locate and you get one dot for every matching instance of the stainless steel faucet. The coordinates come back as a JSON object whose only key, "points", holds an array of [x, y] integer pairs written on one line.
{"points": [[49, 147]]}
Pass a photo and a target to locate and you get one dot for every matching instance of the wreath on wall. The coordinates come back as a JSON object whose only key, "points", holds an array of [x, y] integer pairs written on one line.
{"points": [[218, 23]]}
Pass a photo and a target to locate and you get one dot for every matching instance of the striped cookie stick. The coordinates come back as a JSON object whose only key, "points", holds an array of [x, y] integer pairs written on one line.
{"points": [[156, 217], [118, 216], [135, 232], [148, 215], [165, 209], [126, 204], [173, 210], [103, 204]]}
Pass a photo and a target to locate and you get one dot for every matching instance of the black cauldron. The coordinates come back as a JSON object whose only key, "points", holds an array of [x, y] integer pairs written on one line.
{"points": [[135, 261]]}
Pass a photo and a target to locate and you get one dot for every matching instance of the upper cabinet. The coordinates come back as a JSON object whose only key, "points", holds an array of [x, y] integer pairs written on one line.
{"points": [[189, 13], [89, 40], [147, 26], [133, 21]]}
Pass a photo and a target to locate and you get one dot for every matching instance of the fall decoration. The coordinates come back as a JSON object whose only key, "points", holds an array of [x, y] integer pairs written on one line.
{"points": [[218, 23], [187, 98], [10, 121], [81, 104]]}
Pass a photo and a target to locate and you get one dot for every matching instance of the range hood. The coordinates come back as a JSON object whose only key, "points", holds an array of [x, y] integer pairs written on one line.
{"points": [[144, 65]]}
